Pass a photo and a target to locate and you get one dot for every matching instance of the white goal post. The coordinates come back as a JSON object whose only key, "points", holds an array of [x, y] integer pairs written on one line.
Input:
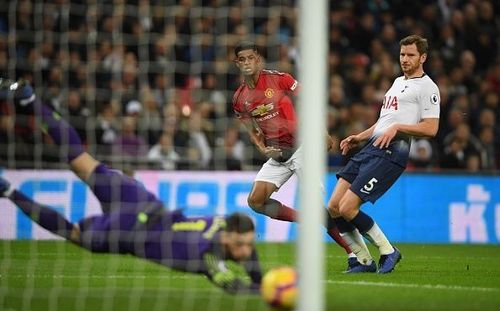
{"points": [[312, 129]]}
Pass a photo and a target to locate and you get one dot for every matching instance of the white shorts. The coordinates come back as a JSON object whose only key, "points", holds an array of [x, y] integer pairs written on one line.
{"points": [[278, 173]]}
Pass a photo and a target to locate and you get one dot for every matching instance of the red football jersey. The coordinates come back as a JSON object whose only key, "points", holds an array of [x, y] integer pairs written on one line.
{"points": [[270, 106]]}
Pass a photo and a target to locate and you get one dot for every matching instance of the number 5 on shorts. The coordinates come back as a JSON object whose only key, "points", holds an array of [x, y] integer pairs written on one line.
{"points": [[369, 186]]}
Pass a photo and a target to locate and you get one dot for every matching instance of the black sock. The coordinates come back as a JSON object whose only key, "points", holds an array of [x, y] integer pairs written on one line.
{"points": [[363, 222], [343, 225], [329, 222]]}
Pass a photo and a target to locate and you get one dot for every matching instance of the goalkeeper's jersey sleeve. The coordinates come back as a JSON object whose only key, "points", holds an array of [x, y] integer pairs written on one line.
{"points": [[233, 277]]}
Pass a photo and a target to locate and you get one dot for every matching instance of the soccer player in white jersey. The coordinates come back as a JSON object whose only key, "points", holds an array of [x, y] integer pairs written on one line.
{"points": [[410, 108]]}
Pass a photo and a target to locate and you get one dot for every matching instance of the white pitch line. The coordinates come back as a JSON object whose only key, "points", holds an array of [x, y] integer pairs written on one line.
{"points": [[412, 285], [116, 276], [43, 256], [187, 276]]}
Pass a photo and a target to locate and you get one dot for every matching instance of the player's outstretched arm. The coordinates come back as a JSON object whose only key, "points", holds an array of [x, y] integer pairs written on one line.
{"points": [[227, 279], [353, 140], [425, 128], [42, 215]]}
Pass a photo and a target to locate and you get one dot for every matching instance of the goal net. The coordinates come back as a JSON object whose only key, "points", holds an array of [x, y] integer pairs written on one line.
{"points": [[148, 86]]}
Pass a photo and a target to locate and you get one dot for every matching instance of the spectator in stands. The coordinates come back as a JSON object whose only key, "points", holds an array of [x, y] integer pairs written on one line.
{"points": [[208, 122], [129, 83], [489, 155], [106, 131], [453, 155], [488, 118], [128, 144], [493, 76], [421, 154], [459, 145], [455, 117], [77, 113], [149, 121], [231, 150], [170, 115], [199, 145], [162, 88], [211, 92], [473, 163], [109, 53], [163, 153], [468, 64], [192, 143], [163, 53]]}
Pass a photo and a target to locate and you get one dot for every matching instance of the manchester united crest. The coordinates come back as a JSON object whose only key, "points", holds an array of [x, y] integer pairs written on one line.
{"points": [[269, 93]]}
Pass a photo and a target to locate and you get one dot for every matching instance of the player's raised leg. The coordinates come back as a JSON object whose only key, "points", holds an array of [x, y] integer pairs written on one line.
{"points": [[61, 132], [109, 186]]}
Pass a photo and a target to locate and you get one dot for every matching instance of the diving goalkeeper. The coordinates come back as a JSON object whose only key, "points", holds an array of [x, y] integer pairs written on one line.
{"points": [[134, 221]]}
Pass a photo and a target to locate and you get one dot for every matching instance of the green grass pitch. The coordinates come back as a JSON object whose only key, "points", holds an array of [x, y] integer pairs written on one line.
{"points": [[55, 275]]}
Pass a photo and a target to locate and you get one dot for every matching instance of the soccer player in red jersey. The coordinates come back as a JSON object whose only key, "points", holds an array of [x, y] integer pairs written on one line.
{"points": [[264, 104]]}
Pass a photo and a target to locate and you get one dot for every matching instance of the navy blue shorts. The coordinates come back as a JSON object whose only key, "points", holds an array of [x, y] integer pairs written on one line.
{"points": [[370, 176]]}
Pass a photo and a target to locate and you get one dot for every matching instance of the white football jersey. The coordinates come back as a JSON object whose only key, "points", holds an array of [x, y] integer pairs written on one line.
{"points": [[408, 101]]}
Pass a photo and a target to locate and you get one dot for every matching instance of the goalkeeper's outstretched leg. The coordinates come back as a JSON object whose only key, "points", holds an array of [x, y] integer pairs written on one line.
{"points": [[109, 186], [63, 134]]}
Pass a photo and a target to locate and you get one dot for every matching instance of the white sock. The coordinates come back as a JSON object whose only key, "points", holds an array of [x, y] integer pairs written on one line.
{"points": [[358, 246], [378, 238]]}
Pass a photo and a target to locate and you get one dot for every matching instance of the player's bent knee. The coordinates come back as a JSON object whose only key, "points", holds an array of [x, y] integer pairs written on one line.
{"points": [[84, 165], [333, 208], [348, 212], [256, 204]]}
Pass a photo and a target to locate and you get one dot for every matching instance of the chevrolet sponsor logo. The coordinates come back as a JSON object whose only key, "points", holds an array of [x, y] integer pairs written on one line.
{"points": [[262, 109], [267, 117]]}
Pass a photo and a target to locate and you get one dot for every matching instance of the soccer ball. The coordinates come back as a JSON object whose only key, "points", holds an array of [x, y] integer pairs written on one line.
{"points": [[279, 287]]}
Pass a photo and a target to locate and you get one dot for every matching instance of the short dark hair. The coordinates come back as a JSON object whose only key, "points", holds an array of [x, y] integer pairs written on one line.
{"points": [[420, 42], [240, 223], [245, 45]]}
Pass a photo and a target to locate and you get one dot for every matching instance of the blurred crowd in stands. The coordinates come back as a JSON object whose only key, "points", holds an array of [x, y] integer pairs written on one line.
{"points": [[149, 83]]}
